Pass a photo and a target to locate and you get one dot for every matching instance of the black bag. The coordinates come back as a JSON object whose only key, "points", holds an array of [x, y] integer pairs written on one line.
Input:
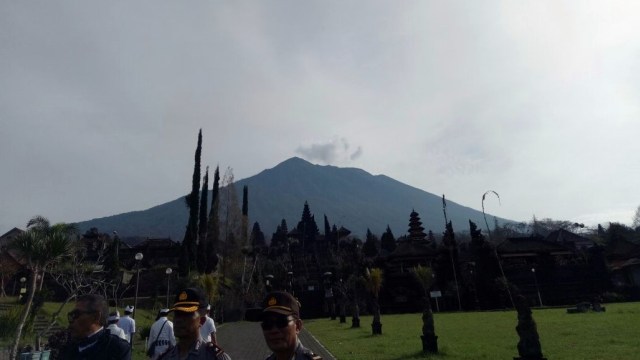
{"points": [[152, 347]]}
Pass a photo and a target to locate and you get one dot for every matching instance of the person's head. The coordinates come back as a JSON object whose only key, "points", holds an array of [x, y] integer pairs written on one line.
{"points": [[162, 313], [113, 318], [281, 322], [128, 310], [89, 314], [189, 310]]}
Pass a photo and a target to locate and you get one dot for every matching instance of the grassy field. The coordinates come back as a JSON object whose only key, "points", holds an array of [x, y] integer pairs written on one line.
{"points": [[614, 334]]}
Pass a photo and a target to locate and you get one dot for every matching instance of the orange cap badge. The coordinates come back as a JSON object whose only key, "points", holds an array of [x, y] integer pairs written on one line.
{"points": [[272, 301], [182, 296]]}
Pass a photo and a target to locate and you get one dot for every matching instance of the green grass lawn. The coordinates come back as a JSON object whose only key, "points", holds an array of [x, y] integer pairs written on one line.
{"points": [[614, 334]]}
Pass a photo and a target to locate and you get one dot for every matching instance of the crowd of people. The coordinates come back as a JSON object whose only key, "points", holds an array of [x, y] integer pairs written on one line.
{"points": [[191, 334]]}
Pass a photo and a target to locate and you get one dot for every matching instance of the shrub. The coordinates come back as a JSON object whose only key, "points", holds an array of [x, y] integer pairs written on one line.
{"points": [[9, 321]]}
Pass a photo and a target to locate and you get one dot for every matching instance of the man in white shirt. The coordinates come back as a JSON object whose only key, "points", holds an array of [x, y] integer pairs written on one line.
{"points": [[161, 334], [113, 319], [208, 329], [128, 324]]}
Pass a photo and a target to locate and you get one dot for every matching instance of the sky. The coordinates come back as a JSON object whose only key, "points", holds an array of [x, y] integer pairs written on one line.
{"points": [[101, 101]]}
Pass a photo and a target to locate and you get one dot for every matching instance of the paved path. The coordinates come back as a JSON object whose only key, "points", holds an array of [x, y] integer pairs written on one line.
{"points": [[243, 340]]}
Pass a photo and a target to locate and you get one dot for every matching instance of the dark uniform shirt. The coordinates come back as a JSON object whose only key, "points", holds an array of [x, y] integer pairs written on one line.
{"points": [[101, 346], [201, 350], [301, 353]]}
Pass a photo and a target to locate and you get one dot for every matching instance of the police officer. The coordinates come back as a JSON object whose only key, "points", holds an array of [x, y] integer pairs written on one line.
{"points": [[281, 325], [189, 312]]}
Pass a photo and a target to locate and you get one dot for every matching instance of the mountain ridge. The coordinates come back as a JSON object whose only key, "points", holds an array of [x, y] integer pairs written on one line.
{"points": [[350, 197]]}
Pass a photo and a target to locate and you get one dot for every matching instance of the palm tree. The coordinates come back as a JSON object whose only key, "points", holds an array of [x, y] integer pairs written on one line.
{"points": [[424, 275], [39, 247], [374, 284]]}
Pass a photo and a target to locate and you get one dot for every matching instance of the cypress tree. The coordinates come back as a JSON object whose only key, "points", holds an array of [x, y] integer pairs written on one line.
{"points": [[201, 256], [245, 214], [213, 226], [327, 228], [284, 227], [370, 247], [388, 241], [477, 239], [334, 238], [191, 232], [279, 239], [431, 238], [449, 241], [257, 237], [486, 268]]}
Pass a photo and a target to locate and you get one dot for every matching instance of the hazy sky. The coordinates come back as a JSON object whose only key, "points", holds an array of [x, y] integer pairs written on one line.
{"points": [[101, 102]]}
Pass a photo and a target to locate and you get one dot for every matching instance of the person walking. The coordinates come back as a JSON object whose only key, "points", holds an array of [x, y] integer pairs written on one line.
{"points": [[161, 335], [208, 329], [89, 338], [112, 320], [189, 312], [128, 324]]}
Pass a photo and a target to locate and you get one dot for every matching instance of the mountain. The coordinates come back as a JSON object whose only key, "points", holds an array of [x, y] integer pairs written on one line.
{"points": [[349, 197]]}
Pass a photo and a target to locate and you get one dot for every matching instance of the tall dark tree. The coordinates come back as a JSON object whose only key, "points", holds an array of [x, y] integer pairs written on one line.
{"points": [[477, 239], [431, 238], [213, 226], [279, 240], [370, 247], [112, 261], [245, 214], [191, 232], [201, 256], [327, 227], [449, 241], [486, 269], [388, 241], [257, 237], [333, 240]]}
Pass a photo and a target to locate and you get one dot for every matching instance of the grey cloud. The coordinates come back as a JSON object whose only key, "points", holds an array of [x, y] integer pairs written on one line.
{"points": [[331, 152]]}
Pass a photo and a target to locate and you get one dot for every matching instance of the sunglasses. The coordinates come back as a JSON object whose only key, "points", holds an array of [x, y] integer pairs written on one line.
{"points": [[280, 322], [73, 315]]}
